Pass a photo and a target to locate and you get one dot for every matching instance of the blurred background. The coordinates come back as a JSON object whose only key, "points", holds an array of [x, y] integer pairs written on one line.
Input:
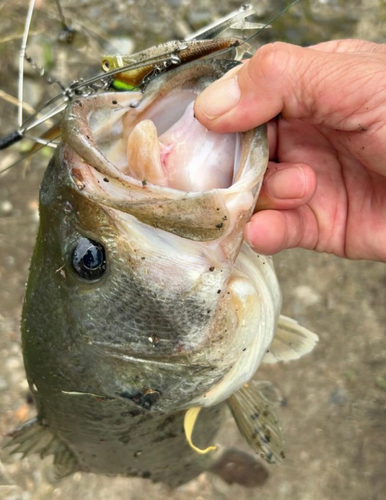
{"points": [[334, 400]]}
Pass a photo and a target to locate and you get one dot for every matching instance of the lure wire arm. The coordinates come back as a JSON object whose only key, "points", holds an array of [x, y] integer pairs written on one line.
{"points": [[79, 88]]}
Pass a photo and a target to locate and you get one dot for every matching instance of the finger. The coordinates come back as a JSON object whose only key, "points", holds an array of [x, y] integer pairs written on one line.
{"points": [[301, 83], [272, 130], [350, 45], [271, 231], [287, 185]]}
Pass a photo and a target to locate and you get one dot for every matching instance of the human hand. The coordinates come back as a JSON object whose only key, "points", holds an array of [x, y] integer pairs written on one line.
{"points": [[325, 187]]}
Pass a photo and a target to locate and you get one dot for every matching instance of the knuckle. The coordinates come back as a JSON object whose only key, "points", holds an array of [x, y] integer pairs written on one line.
{"points": [[272, 60]]}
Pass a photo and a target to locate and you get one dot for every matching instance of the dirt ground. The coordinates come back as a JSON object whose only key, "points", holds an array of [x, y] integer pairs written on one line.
{"points": [[334, 416]]}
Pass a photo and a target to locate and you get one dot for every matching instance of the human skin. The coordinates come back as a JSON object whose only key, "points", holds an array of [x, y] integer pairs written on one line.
{"points": [[325, 187]]}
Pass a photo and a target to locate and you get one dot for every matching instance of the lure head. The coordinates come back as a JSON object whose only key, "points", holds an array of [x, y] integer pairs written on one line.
{"points": [[110, 63]]}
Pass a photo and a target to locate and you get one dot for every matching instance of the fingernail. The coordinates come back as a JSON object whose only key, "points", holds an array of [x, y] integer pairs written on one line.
{"points": [[286, 184], [219, 98]]}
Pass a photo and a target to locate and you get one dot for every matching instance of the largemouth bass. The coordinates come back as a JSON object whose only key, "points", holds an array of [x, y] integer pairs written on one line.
{"points": [[143, 304]]}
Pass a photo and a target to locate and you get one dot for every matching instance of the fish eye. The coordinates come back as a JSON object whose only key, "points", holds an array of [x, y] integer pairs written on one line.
{"points": [[105, 65], [89, 259]]}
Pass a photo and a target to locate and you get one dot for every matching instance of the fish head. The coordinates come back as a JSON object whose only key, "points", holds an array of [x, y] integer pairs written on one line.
{"points": [[142, 217]]}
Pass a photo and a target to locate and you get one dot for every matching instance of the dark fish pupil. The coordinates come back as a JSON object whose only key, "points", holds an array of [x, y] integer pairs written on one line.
{"points": [[93, 258], [89, 259]]}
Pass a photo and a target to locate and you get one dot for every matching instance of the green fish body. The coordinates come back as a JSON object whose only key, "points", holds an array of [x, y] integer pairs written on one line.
{"points": [[142, 300]]}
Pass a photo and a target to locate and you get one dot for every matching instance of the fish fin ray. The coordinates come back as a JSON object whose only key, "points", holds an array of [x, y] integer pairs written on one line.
{"points": [[65, 463], [291, 341], [257, 422], [33, 437], [269, 392], [25, 431]]}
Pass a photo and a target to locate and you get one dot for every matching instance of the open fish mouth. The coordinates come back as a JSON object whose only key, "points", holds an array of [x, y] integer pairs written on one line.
{"points": [[130, 150], [163, 144], [155, 139]]}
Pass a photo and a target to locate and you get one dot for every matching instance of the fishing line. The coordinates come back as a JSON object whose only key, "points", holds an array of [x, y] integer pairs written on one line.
{"points": [[30, 154], [21, 60], [272, 20], [224, 51]]}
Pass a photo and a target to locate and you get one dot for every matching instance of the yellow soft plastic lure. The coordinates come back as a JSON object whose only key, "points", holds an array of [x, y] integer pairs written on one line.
{"points": [[189, 422]]}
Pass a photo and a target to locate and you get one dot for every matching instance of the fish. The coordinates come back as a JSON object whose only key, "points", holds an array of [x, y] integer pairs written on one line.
{"points": [[145, 313]]}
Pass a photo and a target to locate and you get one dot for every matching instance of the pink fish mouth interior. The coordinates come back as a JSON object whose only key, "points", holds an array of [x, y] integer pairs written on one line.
{"points": [[164, 144]]}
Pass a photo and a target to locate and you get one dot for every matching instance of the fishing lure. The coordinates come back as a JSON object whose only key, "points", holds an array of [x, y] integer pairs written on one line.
{"points": [[134, 71]]}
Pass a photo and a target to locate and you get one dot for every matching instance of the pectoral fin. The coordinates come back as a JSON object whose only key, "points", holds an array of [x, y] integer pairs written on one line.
{"points": [[291, 341], [257, 422], [32, 437]]}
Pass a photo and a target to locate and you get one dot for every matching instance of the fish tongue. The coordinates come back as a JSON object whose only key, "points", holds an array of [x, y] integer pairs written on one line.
{"points": [[144, 154]]}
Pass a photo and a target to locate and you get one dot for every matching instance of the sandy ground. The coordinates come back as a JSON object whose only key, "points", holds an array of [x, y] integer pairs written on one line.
{"points": [[334, 417]]}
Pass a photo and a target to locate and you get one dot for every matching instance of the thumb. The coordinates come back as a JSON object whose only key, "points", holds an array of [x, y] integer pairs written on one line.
{"points": [[303, 83]]}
